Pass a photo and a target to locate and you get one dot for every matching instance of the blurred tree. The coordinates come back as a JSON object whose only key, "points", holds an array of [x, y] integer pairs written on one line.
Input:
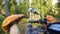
{"points": [[6, 8]]}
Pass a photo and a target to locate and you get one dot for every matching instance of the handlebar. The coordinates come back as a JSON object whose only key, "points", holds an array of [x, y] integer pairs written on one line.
{"points": [[33, 21], [44, 21], [36, 13]]}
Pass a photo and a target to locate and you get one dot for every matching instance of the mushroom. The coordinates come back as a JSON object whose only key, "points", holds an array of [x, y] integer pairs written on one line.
{"points": [[10, 23], [51, 19]]}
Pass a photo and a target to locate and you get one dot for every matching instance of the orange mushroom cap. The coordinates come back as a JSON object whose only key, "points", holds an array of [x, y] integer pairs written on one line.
{"points": [[9, 20], [49, 17]]}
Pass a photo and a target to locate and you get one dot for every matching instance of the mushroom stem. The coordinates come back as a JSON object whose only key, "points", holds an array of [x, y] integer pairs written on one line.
{"points": [[14, 29]]}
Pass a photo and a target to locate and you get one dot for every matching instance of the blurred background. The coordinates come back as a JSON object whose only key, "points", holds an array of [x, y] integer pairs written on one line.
{"points": [[10, 7]]}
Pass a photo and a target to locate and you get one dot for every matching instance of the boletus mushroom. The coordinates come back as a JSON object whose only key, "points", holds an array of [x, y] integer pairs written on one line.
{"points": [[10, 23], [51, 19]]}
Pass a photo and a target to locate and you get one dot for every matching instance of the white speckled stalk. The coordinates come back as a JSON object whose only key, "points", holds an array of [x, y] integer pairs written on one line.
{"points": [[14, 29]]}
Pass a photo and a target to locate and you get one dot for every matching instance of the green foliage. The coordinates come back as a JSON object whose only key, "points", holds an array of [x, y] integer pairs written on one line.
{"points": [[1, 20], [42, 6]]}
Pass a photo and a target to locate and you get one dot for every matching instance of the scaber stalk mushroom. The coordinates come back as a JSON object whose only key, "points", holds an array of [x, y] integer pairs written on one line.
{"points": [[51, 19], [10, 23]]}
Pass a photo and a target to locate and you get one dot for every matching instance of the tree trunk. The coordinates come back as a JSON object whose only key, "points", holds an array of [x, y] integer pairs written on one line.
{"points": [[14, 29], [6, 8]]}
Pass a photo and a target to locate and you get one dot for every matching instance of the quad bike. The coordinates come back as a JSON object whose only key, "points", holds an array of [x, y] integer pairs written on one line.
{"points": [[46, 28], [52, 28]]}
